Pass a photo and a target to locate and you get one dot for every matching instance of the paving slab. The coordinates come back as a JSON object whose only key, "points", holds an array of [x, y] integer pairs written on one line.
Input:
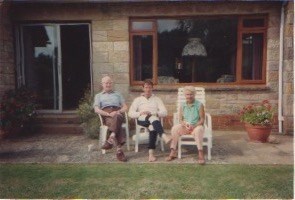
{"points": [[229, 147]]}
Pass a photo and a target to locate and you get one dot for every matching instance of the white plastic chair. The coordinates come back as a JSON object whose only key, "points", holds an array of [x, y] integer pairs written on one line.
{"points": [[189, 139], [143, 131], [104, 129]]}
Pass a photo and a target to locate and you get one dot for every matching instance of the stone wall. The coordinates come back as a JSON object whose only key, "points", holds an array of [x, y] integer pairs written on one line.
{"points": [[110, 48], [288, 70], [7, 63]]}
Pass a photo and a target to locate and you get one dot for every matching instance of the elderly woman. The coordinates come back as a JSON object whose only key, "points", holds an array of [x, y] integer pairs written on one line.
{"points": [[192, 116]]}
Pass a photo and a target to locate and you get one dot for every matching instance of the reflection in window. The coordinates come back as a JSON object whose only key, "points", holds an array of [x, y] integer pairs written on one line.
{"points": [[142, 25], [142, 57], [218, 38], [252, 56]]}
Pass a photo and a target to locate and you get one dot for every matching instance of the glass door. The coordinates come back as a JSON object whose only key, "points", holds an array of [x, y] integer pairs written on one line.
{"points": [[54, 61], [40, 69]]}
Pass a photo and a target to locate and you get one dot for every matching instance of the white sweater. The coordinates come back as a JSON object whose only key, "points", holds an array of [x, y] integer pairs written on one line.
{"points": [[153, 104]]}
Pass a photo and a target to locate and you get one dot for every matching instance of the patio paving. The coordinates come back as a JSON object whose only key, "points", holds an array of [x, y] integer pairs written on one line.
{"points": [[229, 147]]}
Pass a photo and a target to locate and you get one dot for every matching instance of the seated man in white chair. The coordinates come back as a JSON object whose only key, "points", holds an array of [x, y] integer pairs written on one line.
{"points": [[111, 105], [192, 117], [147, 109]]}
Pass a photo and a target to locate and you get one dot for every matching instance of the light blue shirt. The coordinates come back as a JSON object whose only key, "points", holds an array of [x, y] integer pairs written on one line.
{"points": [[191, 113], [105, 99]]}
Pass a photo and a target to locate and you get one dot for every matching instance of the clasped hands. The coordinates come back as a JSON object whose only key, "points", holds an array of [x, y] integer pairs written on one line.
{"points": [[113, 113], [188, 126]]}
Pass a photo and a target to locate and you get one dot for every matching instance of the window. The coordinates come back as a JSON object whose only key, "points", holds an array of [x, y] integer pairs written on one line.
{"points": [[211, 50]]}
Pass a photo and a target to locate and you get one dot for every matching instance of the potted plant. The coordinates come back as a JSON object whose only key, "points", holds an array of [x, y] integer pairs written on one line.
{"points": [[17, 111], [258, 119]]}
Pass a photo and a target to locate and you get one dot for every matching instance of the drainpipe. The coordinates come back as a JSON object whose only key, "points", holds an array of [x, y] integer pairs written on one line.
{"points": [[280, 107]]}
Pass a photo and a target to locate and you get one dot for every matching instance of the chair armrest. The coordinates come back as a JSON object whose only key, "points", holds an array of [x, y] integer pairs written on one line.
{"points": [[208, 123], [100, 119]]}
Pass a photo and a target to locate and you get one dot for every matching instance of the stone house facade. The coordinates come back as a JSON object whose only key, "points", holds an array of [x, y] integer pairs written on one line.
{"points": [[111, 49]]}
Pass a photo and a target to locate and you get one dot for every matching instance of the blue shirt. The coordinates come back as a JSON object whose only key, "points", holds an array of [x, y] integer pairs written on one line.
{"points": [[105, 99], [191, 112]]}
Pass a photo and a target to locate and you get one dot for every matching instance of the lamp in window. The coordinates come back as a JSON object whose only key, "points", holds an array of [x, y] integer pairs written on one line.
{"points": [[193, 49]]}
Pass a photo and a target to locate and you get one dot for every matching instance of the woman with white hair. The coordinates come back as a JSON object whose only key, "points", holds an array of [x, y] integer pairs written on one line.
{"points": [[192, 116]]}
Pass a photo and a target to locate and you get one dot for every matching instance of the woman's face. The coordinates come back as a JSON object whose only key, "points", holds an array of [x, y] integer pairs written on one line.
{"points": [[189, 96]]}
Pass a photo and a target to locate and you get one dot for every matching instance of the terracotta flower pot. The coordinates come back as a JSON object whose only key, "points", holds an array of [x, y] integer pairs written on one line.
{"points": [[258, 133]]}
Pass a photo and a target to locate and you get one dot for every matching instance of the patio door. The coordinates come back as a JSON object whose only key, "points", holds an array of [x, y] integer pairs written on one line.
{"points": [[54, 61]]}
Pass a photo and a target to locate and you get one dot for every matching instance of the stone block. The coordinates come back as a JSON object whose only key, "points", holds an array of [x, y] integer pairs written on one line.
{"points": [[103, 46], [119, 56], [288, 32], [103, 25], [121, 25], [272, 76], [274, 21], [105, 68], [123, 89], [288, 65], [288, 42], [118, 35], [288, 77], [121, 67], [121, 46], [273, 33], [272, 65], [273, 55], [273, 44], [120, 78], [99, 36], [288, 100], [288, 88], [100, 57]]}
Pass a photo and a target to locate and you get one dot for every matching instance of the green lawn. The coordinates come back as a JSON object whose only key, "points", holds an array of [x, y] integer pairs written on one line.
{"points": [[141, 181]]}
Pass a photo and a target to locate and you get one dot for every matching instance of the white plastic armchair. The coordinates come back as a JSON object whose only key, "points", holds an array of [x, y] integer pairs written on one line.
{"points": [[104, 129], [142, 133], [189, 139]]}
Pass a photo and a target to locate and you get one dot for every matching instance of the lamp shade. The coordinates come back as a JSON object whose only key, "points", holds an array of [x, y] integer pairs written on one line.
{"points": [[194, 47]]}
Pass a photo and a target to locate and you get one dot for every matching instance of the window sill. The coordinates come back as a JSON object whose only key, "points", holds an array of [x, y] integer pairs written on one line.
{"points": [[173, 88]]}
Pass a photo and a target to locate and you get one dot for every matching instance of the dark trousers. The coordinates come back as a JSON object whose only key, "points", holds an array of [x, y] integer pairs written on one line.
{"points": [[114, 124], [155, 127]]}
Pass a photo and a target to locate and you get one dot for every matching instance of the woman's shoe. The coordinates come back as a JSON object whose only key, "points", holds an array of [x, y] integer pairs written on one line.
{"points": [[172, 156]]}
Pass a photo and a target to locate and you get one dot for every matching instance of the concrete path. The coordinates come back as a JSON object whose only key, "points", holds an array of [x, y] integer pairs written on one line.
{"points": [[229, 147]]}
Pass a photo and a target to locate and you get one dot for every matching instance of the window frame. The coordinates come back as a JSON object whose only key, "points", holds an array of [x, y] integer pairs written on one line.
{"points": [[240, 31]]}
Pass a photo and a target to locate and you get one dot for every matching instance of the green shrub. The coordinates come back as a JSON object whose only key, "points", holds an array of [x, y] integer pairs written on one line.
{"points": [[18, 111], [89, 119]]}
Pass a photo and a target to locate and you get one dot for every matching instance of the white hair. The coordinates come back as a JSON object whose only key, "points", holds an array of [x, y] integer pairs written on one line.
{"points": [[190, 89], [106, 78]]}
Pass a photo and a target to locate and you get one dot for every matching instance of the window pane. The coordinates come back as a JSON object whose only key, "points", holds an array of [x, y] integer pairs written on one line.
{"points": [[142, 25], [196, 50], [142, 57], [252, 56], [249, 23]]}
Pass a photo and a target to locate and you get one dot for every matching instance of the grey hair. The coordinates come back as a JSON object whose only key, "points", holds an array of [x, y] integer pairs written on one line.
{"points": [[190, 89]]}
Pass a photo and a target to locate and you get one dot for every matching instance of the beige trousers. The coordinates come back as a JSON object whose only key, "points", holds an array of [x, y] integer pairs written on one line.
{"points": [[178, 130]]}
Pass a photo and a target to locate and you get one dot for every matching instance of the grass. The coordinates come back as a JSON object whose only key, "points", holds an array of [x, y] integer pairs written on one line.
{"points": [[141, 181]]}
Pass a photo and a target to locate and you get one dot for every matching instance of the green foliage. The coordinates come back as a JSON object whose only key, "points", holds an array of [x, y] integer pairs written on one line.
{"points": [[89, 119], [257, 114], [18, 110]]}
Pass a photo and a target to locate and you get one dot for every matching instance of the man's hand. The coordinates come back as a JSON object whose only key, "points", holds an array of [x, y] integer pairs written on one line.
{"points": [[112, 114]]}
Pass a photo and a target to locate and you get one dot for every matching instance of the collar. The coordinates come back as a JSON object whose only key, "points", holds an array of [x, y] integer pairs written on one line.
{"points": [[142, 94], [112, 91]]}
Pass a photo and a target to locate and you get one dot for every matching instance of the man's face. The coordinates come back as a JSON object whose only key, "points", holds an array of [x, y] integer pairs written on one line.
{"points": [[147, 89], [107, 85]]}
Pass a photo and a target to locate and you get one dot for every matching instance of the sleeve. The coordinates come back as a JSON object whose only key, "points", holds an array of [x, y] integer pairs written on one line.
{"points": [[96, 101], [133, 113], [162, 111], [121, 98]]}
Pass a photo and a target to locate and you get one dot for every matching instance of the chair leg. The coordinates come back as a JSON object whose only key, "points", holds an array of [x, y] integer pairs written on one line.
{"points": [[103, 136], [162, 144], [179, 147], [136, 141], [127, 139]]}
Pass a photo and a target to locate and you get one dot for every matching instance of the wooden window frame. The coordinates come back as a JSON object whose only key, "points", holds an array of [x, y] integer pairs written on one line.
{"points": [[240, 31]]}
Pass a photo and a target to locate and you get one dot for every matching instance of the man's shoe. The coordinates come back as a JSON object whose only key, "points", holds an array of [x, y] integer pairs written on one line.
{"points": [[107, 145], [121, 156]]}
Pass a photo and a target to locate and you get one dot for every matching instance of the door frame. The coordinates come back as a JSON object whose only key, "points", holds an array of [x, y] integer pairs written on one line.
{"points": [[20, 64]]}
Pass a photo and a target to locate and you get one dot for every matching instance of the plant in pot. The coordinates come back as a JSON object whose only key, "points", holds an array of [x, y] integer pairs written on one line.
{"points": [[18, 112], [258, 119]]}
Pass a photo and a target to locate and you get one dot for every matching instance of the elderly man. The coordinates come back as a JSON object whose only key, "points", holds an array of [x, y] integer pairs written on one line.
{"points": [[147, 108], [111, 105]]}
